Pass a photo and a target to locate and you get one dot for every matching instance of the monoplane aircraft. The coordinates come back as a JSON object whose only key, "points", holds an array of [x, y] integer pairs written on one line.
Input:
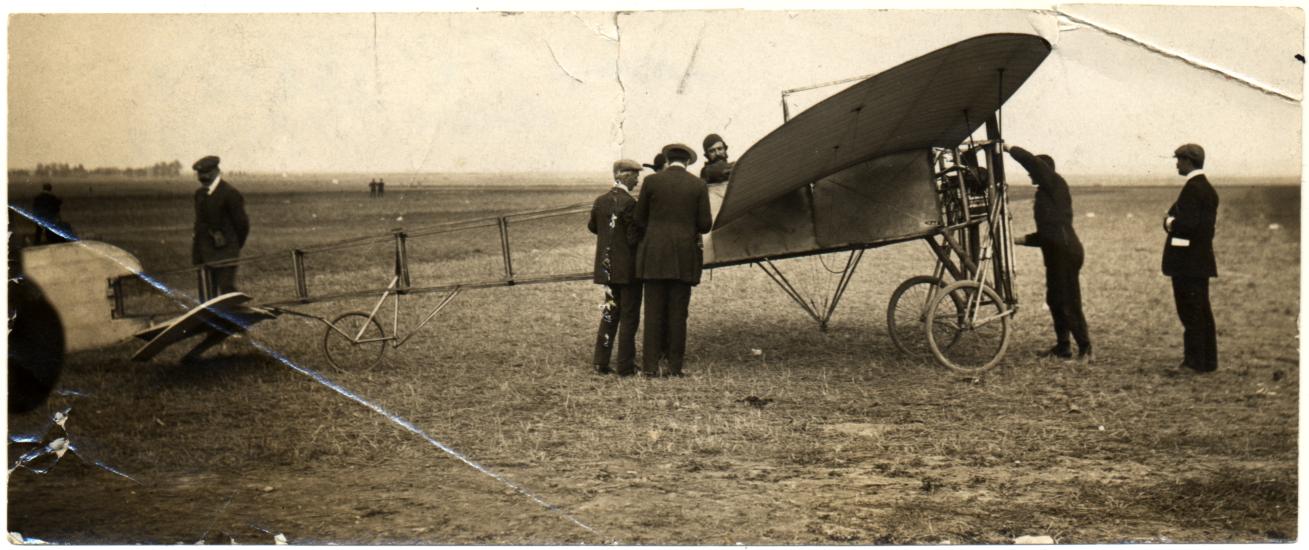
{"points": [[890, 159]]}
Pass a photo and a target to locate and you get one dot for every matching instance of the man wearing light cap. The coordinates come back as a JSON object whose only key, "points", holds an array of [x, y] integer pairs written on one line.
{"points": [[615, 267], [672, 212], [221, 226], [1189, 258], [716, 168]]}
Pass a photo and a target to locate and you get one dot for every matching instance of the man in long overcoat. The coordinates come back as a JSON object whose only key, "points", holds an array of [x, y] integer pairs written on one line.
{"points": [[1189, 258], [1061, 251], [671, 213], [221, 225], [615, 267]]}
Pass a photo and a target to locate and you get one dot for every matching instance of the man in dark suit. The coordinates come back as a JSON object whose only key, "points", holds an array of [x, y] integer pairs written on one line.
{"points": [[716, 168], [221, 225], [671, 213], [46, 207], [615, 267], [1061, 251], [1189, 258]]}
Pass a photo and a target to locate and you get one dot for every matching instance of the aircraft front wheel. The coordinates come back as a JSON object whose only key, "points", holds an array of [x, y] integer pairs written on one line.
{"points": [[976, 334]]}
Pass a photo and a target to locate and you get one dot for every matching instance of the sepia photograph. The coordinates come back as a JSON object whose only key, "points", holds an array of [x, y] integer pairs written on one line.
{"points": [[696, 274]]}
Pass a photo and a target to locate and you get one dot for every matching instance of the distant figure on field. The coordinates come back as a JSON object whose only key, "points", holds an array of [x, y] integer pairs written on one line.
{"points": [[671, 213], [615, 267], [46, 207], [1062, 252], [716, 168], [1189, 258], [221, 226], [381, 187], [372, 188]]}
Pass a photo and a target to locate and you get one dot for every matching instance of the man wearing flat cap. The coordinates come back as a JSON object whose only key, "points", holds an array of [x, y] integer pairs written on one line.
{"points": [[716, 168], [221, 226], [671, 214], [1189, 258], [615, 267]]}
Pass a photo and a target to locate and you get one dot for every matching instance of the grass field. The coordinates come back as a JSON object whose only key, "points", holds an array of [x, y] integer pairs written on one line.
{"points": [[821, 438]]}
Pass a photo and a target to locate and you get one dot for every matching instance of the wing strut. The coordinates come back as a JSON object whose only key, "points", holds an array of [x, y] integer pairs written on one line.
{"points": [[807, 304]]}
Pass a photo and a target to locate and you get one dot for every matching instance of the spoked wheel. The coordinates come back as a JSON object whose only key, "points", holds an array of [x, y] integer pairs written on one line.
{"points": [[354, 341], [968, 327], [906, 315]]}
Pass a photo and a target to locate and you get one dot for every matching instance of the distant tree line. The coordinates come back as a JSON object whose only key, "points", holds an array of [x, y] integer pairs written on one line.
{"points": [[65, 169]]}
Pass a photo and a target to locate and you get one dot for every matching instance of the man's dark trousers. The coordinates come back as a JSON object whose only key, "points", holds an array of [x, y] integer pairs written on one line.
{"points": [[1198, 336], [621, 315], [667, 302], [222, 280], [1063, 293]]}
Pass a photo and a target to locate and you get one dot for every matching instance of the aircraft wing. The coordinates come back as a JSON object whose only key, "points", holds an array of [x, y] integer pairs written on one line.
{"points": [[936, 100]]}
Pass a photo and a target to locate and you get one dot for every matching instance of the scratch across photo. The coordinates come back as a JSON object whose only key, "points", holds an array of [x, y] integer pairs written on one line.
{"points": [[677, 277]]}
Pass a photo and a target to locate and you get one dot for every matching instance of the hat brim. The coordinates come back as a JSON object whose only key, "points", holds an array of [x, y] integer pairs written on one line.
{"points": [[678, 147]]}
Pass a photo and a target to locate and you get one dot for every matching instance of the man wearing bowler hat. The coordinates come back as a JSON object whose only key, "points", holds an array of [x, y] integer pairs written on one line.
{"points": [[671, 213], [221, 225], [615, 267], [1189, 258]]}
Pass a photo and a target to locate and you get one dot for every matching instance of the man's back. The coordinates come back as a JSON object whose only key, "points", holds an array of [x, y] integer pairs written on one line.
{"points": [[673, 210], [46, 205], [611, 218]]}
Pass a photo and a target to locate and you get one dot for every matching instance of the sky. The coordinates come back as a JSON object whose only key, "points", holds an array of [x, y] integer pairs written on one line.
{"points": [[573, 91]]}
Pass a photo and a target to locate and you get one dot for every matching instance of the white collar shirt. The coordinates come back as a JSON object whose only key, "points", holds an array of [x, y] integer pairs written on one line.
{"points": [[214, 185]]}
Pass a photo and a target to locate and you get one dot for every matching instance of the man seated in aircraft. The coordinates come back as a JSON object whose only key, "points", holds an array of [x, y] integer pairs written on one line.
{"points": [[615, 267], [716, 171], [716, 168]]}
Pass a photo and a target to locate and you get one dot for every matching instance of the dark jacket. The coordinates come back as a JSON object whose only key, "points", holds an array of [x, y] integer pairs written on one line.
{"points": [[1195, 214], [717, 171], [672, 213], [1052, 207], [46, 206], [221, 225], [615, 243]]}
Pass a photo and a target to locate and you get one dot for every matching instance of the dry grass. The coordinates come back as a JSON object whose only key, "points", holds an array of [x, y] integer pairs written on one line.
{"points": [[824, 438]]}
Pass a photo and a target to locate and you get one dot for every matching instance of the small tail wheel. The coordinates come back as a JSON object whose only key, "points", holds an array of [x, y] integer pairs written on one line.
{"points": [[354, 341], [906, 314], [968, 327]]}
